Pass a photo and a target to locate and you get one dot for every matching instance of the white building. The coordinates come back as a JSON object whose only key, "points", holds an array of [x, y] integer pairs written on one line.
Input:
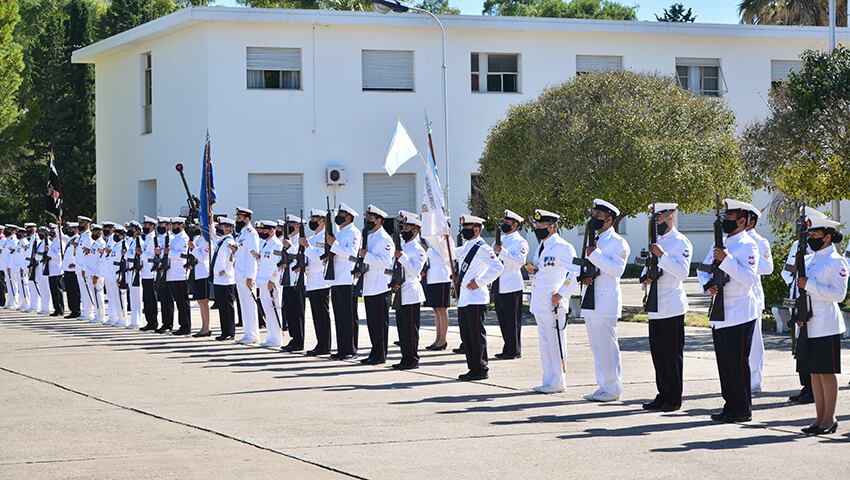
{"points": [[288, 94]]}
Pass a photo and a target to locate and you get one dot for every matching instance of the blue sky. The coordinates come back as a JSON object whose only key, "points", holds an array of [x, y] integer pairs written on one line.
{"points": [[706, 11]]}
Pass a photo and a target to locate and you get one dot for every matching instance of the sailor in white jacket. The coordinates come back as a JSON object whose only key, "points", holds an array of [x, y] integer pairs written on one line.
{"points": [[344, 245], [58, 242], [8, 246], [412, 258], [247, 251], [479, 266], [377, 257], [764, 267], [512, 253], [92, 262], [609, 256], [80, 260], [318, 289], [223, 278], [42, 253], [667, 323], [553, 281], [268, 281]]}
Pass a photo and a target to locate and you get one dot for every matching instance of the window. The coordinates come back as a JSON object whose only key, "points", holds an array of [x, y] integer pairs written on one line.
{"points": [[270, 193], [781, 69], [695, 222], [274, 68], [701, 75], [598, 63], [390, 194], [387, 70], [147, 94], [500, 72]]}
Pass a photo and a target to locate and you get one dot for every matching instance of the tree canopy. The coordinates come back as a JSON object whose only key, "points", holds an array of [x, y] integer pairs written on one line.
{"points": [[791, 12], [803, 149], [677, 14], [598, 9], [621, 136], [11, 64]]}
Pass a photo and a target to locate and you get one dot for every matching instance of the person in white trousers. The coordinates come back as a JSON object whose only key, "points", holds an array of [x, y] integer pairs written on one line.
{"points": [[268, 280], [42, 280], [93, 254], [610, 256], [764, 267], [553, 281], [21, 262], [247, 254], [81, 252], [116, 296], [8, 249], [135, 244]]}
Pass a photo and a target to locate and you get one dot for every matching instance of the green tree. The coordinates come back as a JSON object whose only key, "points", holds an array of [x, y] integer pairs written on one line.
{"points": [[11, 64], [125, 14], [677, 14], [791, 12], [802, 149], [441, 7], [597, 9], [621, 136], [304, 4]]}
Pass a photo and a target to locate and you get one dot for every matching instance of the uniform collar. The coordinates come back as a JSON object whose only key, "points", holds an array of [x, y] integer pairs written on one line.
{"points": [[606, 233], [668, 233], [825, 251], [552, 239], [737, 237]]}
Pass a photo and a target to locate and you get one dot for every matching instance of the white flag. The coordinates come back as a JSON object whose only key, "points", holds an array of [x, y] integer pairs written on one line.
{"points": [[401, 150], [435, 224]]}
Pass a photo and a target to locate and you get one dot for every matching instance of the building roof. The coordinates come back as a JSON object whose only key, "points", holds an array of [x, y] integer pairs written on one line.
{"points": [[191, 16]]}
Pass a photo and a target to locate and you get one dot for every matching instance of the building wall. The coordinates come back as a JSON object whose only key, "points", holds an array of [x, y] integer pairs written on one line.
{"points": [[200, 83]]}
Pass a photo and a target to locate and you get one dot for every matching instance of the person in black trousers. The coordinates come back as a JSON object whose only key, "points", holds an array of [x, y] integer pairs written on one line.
{"points": [[69, 270], [178, 276], [223, 279], [318, 289]]}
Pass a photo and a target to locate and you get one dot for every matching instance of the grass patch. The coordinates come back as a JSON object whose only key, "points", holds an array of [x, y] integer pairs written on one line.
{"points": [[691, 319]]}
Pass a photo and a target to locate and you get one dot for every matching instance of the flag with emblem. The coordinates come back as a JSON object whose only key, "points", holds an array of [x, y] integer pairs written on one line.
{"points": [[208, 196], [435, 224], [53, 197]]}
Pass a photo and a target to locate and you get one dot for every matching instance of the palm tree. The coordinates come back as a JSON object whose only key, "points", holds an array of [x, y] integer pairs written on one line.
{"points": [[791, 12]]}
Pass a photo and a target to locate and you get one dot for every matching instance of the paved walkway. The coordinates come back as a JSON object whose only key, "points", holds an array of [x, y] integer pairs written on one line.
{"points": [[90, 401]]}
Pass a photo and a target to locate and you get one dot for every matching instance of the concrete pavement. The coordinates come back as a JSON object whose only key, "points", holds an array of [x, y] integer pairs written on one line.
{"points": [[89, 401]]}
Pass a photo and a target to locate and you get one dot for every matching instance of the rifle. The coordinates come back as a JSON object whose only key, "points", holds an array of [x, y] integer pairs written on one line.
{"points": [[191, 260], [157, 259], [456, 278], [799, 303], [33, 263], [397, 272], [588, 269], [300, 260], [45, 259], [164, 265], [360, 267], [285, 258], [329, 256], [494, 288], [122, 266], [193, 201], [137, 263], [649, 260], [719, 278]]}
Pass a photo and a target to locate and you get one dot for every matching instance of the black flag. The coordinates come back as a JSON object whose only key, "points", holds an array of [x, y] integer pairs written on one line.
{"points": [[53, 199]]}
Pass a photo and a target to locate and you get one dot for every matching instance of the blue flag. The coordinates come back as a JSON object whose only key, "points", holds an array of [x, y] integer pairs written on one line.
{"points": [[208, 196]]}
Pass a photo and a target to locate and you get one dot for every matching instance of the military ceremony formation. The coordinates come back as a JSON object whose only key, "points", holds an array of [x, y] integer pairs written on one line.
{"points": [[261, 274]]}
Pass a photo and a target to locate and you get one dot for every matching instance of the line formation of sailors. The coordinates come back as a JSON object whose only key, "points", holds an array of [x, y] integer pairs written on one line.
{"points": [[269, 269]]}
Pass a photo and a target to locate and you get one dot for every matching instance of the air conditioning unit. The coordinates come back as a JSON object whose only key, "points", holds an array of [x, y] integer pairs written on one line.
{"points": [[336, 176]]}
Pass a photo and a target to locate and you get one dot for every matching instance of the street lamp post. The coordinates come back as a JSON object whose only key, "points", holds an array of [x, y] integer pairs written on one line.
{"points": [[387, 6]]}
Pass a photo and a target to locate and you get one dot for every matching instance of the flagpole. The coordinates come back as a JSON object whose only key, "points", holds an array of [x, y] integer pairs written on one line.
{"points": [[446, 237], [207, 199]]}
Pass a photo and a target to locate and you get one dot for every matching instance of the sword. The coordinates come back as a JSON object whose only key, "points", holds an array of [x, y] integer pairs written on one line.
{"points": [[24, 288], [86, 284], [273, 294], [560, 345]]}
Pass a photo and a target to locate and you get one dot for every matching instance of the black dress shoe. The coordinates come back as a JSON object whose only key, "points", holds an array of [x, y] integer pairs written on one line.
{"points": [[653, 405], [504, 356], [744, 417], [405, 366], [806, 399], [810, 429], [437, 347], [181, 333], [316, 352], [336, 356], [148, 328], [292, 348], [56, 314], [670, 407], [460, 350], [397, 343], [203, 334], [349, 356], [162, 330], [472, 376], [222, 338], [719, 417]]}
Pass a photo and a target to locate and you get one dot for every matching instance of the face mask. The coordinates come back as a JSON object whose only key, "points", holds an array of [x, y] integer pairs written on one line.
{"points": [[264, 235], [815, 243], [95, 235], [407, 236], [175, 230], [290, 230], [541, 233], [370, 225], [505, 228], [467, 233], [278, 233], [597, 223], [146, 230], [219, 232], [662, 228], [314, 225], [116, 237], [240, 224], [41, 236], [729, 226], [160, 230], [339, 219]]}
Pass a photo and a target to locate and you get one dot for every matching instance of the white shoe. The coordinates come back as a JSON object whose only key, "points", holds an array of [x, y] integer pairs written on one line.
{"points": [[84, 319], [591, 397], [119, 324], [247, 341], [271, 344], [603, 396], [44, 312], [132, 326], [548, 389], [95, 320]]}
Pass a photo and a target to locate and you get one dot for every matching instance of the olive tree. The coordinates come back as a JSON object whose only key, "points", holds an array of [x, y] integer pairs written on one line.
{"points": [[622, 136]]}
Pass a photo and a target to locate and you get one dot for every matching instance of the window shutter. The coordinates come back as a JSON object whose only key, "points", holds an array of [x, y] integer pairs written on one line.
{"points": [[780, 69], [697, 62], [387, 70], [263, 58], [390, 194], [269, 193], [695, 222], [598, 63]]}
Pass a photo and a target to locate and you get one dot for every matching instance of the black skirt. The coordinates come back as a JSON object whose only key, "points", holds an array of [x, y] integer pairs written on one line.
{"points": [[438, 295], [200, 289], [824, 354]]}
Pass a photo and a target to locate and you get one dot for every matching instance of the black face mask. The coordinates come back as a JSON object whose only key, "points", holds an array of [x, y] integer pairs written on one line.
{"points": [[219, 232], [815, 243], [264, 235], [289, 230], [161, 230], [541, 233], [370, 225], [240, 224], [662, 228], [278, 233], [95, 235], [41, 236], [116, 237], [729, 226], [597, 223], [407, 236], [314, 225], [467, 233], [175, 230], [505, 228], [339, 219], [146, 230]]}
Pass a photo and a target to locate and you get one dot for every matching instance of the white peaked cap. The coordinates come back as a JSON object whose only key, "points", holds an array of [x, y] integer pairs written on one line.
{"points": [[345, 208], [598, 202], [371, 209], [663, 207], [513, 216], [467, 219]]}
